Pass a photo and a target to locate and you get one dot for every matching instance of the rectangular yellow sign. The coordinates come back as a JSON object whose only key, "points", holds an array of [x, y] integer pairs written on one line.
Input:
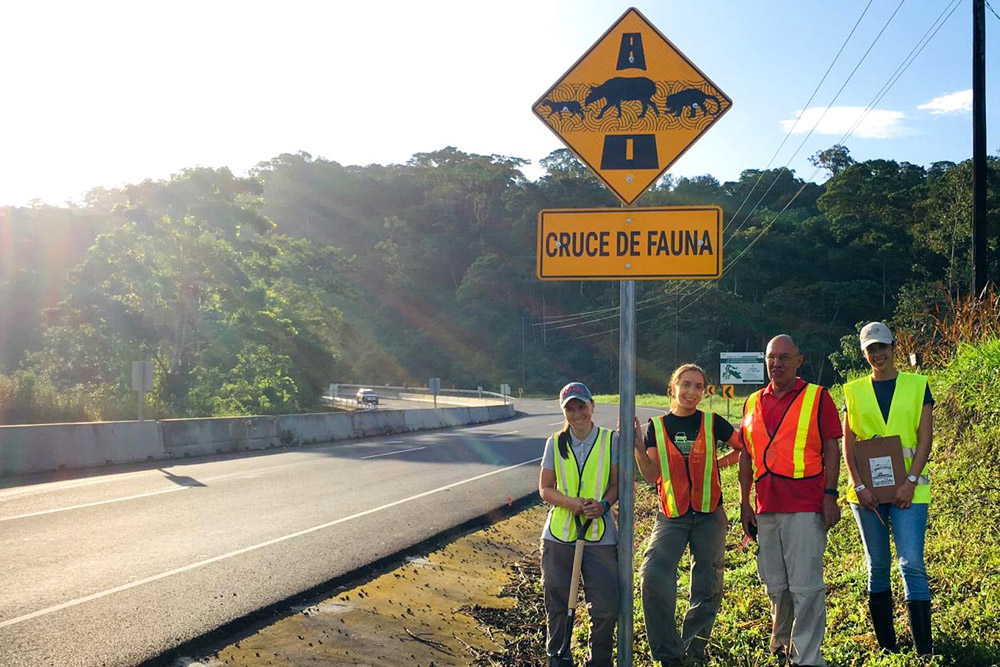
{"points": [[654, 243]]}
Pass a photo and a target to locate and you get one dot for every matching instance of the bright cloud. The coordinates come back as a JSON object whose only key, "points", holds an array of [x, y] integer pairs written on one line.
{"points": [[950, 103], [877, 124]]}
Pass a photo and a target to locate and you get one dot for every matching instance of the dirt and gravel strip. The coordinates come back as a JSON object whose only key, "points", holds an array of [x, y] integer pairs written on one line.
{"points": [[465, 603]]}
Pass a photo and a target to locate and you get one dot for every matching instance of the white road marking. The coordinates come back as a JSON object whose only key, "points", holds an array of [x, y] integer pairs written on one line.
{"points": [[556, 424], [401, 451], [244, 474], [209, 561], [94, 504], [393, 442], [497, 435]]}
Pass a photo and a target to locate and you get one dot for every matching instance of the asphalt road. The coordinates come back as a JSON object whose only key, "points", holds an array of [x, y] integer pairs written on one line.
{"points": [[117, 568]]}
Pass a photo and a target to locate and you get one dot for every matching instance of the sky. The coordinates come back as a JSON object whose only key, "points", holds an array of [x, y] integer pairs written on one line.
{"points": [[106, 93]]}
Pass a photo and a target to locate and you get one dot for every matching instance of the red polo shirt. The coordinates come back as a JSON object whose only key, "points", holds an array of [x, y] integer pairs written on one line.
{"points": [[780, 494]]}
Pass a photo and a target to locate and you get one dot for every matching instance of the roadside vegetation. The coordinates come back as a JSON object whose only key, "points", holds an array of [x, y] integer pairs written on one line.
{"points": [[252, 293]]}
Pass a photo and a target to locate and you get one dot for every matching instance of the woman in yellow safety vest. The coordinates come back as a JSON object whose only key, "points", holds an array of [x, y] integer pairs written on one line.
{"points": [[679, 455], [579, 479], [885, 403]]}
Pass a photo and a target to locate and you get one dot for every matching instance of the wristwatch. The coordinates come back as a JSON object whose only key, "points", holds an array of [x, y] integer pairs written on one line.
{"points": [[607, 505], [860, 487], [913, 478], [831, 492]]}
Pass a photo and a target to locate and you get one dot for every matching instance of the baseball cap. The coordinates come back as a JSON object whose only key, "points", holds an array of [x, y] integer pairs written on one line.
{"points": [[574, 390], [875, 332]]}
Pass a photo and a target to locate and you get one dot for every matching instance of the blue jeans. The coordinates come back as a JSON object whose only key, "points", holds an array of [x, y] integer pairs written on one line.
{"points": [[908, 528]]}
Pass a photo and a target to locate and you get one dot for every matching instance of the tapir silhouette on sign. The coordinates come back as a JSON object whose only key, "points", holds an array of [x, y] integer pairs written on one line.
{"points": [[689, 99], [623, 89], [572, 107]]}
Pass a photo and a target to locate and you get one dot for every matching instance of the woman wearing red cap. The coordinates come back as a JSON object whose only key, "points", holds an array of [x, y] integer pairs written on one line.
{"points": [[679, 455], [887, 403], [579, 479]]}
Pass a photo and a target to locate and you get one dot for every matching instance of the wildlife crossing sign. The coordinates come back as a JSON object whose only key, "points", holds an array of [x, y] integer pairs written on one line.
{"points": [[631, 106]]}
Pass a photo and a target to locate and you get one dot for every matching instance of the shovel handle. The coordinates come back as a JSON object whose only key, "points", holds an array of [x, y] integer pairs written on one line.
{"points": [[574, 582]]}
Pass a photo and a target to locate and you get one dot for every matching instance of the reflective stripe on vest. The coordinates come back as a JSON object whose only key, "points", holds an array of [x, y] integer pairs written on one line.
{"points": [[596, 476], [692, 483], [795, 450], [866, 421]]}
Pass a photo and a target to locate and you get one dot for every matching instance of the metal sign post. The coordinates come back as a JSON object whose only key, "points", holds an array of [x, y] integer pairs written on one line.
{"points": [[629, 108], [626, 497], [142, 382]]}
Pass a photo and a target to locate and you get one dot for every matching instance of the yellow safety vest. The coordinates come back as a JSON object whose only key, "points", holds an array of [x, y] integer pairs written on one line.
{"points": [[594, 484], [866, 421]]}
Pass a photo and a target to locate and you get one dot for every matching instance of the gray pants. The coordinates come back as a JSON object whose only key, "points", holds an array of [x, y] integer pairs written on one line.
{"points": [[790, 563], [600, 588], [706, 533]]}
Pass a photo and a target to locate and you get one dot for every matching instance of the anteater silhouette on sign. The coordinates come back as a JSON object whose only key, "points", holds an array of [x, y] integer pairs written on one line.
{"points": [[572, 107], [689, 99], [623, 89]]}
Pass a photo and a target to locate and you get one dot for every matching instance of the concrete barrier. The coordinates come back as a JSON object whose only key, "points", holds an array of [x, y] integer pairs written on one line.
{"points": [[45, 447], [40, 448], [453, 400]]}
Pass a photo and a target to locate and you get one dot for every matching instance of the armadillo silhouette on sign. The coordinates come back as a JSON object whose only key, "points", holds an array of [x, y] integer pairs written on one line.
{"points": [[631, 106]]}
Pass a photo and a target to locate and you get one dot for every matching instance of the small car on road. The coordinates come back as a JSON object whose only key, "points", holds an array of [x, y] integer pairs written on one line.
{"points": [[367, 397]]}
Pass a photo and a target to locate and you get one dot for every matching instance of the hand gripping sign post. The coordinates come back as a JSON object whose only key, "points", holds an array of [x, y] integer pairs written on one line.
{"points": [[628, 109]]}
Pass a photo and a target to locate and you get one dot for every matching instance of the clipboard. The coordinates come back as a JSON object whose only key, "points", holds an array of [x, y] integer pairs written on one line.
{"points": [[880, 465]]}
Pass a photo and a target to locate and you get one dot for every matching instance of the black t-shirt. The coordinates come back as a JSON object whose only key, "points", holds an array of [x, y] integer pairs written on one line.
{"points": [[884, 389], [684, 430]]}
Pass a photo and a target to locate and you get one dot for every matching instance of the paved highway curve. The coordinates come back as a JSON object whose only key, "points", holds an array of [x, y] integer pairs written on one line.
{"points": [[116, 569]]}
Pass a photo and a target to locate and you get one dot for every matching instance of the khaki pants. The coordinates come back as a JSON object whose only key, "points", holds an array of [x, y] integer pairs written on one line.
{"points": [[790, 563], [600, 588], [706, 533]]}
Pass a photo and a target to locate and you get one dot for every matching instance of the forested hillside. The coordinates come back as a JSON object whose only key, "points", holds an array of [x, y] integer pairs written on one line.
{"points": [[251, 294]]}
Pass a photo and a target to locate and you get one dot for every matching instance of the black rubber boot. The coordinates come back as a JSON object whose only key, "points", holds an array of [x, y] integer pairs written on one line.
{"points": [[920, 625], [880, 608]]}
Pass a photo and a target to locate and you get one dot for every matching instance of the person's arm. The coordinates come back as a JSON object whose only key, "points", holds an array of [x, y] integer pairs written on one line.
{"points": [[550, 494], [595, 508], [649, 464], [732, 457], [747, 515], [925, 433], [831, 465], [866, 498]]}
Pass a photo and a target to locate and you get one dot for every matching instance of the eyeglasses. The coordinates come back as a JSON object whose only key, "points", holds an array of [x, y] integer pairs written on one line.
{"points": [[783, 358]]}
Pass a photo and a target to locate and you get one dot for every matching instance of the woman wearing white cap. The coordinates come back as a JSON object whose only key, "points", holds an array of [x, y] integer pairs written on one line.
{"points": [[887, 403], [579, 479]]}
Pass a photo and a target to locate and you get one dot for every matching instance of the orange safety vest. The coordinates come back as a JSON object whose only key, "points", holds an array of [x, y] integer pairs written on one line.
{"points": [[795, 450], [692, 483]]}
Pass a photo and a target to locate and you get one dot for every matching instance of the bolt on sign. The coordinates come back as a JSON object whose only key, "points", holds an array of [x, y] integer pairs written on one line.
{"points": [[631, 106], [651, 243]]}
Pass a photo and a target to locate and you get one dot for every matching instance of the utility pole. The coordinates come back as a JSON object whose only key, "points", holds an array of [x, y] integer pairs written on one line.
{"points": [[980, 273]]}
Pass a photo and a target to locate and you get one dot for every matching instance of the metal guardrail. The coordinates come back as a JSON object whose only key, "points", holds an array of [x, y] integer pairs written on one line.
{"points": [[347, 391]]}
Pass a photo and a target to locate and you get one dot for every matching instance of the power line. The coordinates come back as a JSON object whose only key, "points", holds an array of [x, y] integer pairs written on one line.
{"points": [[907, 61], [820, 119], [992, 10], [798, 118]]}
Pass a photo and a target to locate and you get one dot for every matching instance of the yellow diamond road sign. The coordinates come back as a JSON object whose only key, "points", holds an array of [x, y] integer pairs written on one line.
{"points": [[631, 106]]}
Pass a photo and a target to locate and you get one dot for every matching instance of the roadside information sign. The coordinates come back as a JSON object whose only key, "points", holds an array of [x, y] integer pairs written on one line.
{"points": [[631, 106], [741, 368], [669, 242]]}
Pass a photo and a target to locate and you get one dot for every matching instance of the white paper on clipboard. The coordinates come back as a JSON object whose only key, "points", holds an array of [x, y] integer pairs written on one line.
{"points": [[882, 474]]}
